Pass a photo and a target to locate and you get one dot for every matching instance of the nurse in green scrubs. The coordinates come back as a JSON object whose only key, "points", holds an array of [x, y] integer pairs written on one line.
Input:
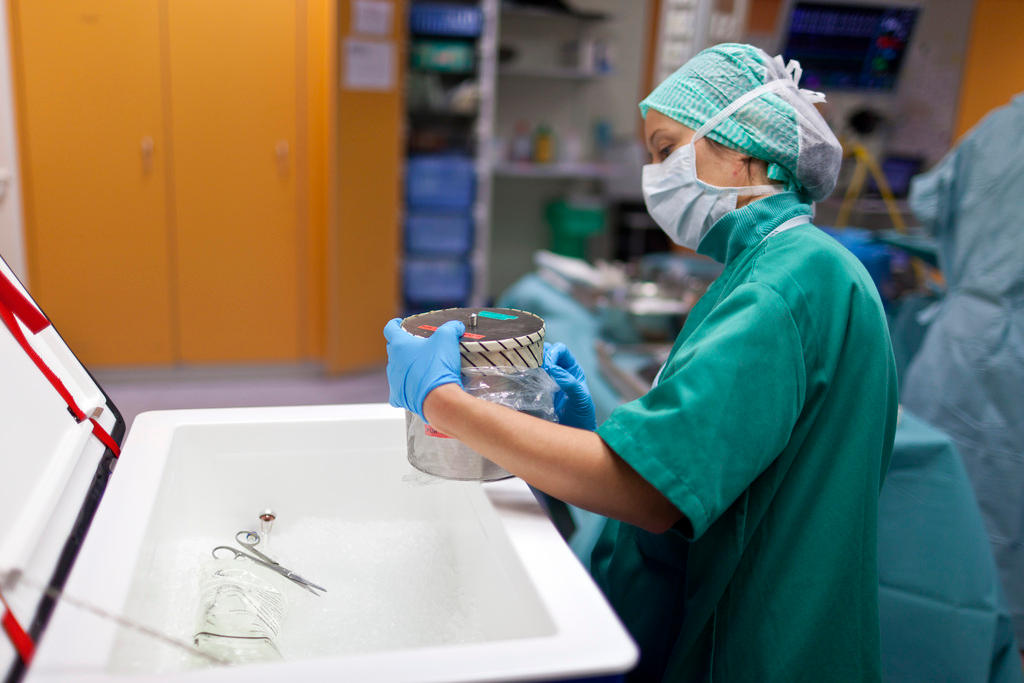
{"points": [[742, 490]]}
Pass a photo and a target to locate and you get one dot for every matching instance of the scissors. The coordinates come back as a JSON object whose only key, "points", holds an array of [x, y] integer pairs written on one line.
{"points": [[249, 540]]}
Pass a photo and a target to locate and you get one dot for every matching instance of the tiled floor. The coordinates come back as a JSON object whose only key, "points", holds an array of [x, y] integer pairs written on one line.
{"points": [[137, 391]]}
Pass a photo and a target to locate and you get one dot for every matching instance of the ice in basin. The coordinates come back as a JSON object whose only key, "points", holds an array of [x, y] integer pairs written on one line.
{"points": [[407, 560], [428, 580]]}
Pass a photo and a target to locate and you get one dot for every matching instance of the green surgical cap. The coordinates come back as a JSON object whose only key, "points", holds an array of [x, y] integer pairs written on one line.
{"points": [[765, 128]]}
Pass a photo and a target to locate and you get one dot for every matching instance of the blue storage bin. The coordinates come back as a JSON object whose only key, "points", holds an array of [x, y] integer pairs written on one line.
{"points": [[437, 281], [440, 182], [876, 257], [439, 19], [438, 233]]}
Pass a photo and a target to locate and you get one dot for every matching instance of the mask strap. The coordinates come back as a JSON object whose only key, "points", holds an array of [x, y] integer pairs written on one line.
{"points": [[792, 71], [747, 190], [723, 114], [770, 86]]}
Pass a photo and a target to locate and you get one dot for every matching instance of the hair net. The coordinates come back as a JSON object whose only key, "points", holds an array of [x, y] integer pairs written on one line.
{"points": [[780, 125]]}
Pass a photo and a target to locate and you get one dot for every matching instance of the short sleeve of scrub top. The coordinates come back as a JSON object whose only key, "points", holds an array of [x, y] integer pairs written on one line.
{"points": [[720, 414]]}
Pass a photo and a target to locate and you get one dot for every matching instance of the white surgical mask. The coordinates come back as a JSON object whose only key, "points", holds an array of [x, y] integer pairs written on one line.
{"points": [[683, 205]]}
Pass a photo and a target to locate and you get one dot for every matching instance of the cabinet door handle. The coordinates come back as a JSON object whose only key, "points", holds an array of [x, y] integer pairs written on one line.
{"points": [[281, 150], [5, 182], [146, 148]]}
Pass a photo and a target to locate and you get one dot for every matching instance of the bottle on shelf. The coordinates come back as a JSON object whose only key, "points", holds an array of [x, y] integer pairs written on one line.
{"points": [[543, 145], [572, 147], [521, 148], [604, 139]]}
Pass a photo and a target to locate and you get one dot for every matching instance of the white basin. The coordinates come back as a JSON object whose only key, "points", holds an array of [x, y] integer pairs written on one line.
{"points": [[427, 579]]}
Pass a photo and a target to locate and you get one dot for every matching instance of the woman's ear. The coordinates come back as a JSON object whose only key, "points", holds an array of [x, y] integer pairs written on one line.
{"points": [[740, 166], [756, 169]]}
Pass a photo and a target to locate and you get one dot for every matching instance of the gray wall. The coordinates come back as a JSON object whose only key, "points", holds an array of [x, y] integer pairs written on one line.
{"points": [[929, 93], [12, 237]]}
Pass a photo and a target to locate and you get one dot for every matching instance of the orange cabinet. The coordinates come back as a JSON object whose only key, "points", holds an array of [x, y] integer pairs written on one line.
{"points": [[160, 144], [93, 154], [994, 67], [232, 73]]}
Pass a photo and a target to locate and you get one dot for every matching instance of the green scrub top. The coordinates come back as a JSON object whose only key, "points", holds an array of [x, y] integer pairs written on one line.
{"points": [[771, 430]]}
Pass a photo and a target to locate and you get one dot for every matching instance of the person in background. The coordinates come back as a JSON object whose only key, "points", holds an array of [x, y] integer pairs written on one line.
{"points": [[968, 376], [742, 490]]}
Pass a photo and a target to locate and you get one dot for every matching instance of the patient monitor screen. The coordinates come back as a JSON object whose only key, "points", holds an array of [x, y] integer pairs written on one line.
{"points": [[848, 46]]}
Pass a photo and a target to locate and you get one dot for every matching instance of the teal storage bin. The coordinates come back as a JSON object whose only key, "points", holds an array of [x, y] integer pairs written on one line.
{"points": [[572, 222], [445, 56]]}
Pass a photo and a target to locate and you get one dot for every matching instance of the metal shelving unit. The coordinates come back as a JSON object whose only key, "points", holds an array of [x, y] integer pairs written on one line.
{"points": [[480, 125], [544, 86], [487, 56], [564, 73], [515, 9], [582, 170], [475, 130]]}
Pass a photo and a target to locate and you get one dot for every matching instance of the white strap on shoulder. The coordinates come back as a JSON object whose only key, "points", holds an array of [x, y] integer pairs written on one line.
{"points": [[788, 225]]}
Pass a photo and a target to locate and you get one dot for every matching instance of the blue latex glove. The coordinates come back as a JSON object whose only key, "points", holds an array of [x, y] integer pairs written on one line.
{"points": [[573, 404], [418, 365]]}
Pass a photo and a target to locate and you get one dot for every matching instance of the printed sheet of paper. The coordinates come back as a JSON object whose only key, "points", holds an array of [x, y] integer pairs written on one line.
{"points": [[372, 17], [369, 65]]}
